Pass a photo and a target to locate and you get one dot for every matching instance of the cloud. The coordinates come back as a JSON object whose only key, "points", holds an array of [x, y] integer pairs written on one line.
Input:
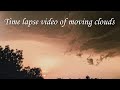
{"points": [[98, 38], [80, 37]]}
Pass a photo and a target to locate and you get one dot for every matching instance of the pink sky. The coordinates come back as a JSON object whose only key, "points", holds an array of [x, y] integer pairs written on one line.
{"points": [[48, 53], [49, 56]]}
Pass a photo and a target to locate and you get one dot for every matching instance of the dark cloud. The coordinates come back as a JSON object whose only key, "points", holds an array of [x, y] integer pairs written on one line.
{"points": [[98, 38], [90, 60]]}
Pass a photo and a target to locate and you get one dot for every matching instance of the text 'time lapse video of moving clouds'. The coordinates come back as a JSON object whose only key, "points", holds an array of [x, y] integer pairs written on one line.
{"points": [[59, 45]]}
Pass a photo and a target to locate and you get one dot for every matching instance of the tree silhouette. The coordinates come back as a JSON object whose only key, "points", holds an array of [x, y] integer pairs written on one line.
{"points": [[87, 77], [11, 65], [34, 73]]}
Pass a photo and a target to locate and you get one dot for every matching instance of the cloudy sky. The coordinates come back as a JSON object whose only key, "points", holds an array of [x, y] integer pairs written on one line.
{"points": [[72, 51]]}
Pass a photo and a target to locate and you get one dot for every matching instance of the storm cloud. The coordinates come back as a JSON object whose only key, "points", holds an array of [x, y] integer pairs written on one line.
{"points": [[98, 38]]}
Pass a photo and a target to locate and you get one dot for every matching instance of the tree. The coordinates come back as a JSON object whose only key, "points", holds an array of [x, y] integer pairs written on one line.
{"points": [[34, 73], [87, 77], [11, 65]]}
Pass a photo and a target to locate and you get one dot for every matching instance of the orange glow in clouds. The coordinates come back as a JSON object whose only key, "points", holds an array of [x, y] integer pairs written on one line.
{"points": [[49, 56]]}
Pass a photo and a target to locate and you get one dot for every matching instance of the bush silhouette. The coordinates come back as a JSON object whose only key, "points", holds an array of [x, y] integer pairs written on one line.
{"points": [[11, 65]]}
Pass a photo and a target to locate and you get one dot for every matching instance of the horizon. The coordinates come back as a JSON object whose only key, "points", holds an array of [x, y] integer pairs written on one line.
{"points": [[62, 52]]}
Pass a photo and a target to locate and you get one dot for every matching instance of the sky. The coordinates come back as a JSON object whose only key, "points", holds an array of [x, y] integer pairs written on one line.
{"points": [[66, 52]]}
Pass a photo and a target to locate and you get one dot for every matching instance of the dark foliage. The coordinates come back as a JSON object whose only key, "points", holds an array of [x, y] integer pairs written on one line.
{"points": [[11, 65]]}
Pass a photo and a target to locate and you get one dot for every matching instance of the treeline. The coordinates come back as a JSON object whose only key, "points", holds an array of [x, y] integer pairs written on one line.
{"points": [[11, 65]]}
